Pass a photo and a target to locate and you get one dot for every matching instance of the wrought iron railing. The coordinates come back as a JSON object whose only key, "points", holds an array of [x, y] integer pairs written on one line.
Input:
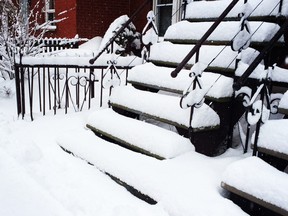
{"points": [[196, 48], [196, 70], [241, 80], [60, 87]]}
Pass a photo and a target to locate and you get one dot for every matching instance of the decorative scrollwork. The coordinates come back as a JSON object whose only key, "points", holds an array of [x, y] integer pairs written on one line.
{"points": [[245, 94], [194, 95], [274, 102], [111, 76]]}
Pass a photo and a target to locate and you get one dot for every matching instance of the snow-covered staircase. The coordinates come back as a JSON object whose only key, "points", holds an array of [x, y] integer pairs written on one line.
{"points": [[152, 93]]}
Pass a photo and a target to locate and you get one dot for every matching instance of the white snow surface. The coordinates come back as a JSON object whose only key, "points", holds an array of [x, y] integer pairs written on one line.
{"points": [[226, 60], [160, 141], [178, 189], [266, 8], [160, 76], [278, 74], [72, 58], [226, 31], [284, 101], [39, 178], [164, 106], [273, 135], [256, 177]]}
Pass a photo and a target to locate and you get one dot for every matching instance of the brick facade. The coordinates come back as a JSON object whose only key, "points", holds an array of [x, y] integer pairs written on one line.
{"points": [[90, 18]]}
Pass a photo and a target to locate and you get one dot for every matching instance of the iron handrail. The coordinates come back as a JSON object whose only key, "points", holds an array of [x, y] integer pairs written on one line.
{"points": [[203, 39], [241, 80], [126, 24]]}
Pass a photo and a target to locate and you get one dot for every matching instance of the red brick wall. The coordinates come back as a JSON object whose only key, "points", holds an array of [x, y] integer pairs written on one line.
{"points": [[140, 20], [66, 9], [90, 18], [95, 16], [66, 28]]}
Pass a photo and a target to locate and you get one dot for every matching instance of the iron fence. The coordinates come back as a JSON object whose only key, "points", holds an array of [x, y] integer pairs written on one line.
{"points": [[46, 88]]}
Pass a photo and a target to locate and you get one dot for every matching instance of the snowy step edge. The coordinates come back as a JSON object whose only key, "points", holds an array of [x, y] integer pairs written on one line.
{"points": [[174, 146], [164, 120], [254, 199], [251, 165], [272, 148], [135, 192], [174, 64], [138, 78], [165, 108], [260, 10], [123, 143], [283, 104], [217, 38]]}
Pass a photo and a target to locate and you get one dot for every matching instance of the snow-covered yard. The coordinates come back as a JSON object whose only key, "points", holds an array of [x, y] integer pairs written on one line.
{"points": [[39, 178]]}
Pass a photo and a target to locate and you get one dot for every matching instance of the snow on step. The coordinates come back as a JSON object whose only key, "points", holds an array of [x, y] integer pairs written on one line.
{"points": [[273, 137], [167, 52], [139, 135], [283, 104], [110, 158], [226, 31], [257, 178], [265, 8], [277, 75], [164, 107], [160, 78]]}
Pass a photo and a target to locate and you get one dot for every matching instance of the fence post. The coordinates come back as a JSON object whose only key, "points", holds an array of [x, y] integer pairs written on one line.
{"points": [[18, 91]]}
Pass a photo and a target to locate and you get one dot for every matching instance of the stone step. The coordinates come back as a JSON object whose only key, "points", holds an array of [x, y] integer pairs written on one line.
{"points": [[165, 108], [218, 87], [138, 135], [219, 59], [267, 10], [191, 33], [257, 181]]}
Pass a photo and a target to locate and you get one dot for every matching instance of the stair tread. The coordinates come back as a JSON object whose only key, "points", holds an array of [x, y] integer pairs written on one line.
{"points": [[278, 74], [161, 54], [224, 33], [160, 78], [273, 138], [139, 134], [108, 157], [265, 9], [258, 181], [283, 104], [164, 107]]}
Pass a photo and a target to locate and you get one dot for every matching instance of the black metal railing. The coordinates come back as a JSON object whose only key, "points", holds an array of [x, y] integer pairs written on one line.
{"points": [[60, 87], [55, 44], [243, 78], [196, 48]]}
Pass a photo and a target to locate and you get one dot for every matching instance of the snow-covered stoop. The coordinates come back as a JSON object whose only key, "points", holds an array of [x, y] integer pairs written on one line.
{"points": [[151, 93]]}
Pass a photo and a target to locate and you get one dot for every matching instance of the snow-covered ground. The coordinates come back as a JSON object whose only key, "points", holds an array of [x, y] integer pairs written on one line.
{"points": [[39, 178]]}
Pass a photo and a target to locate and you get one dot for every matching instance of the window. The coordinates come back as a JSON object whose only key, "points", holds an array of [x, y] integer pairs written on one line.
{"points": [[49, 10], [164, 13], [167, 13]]}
